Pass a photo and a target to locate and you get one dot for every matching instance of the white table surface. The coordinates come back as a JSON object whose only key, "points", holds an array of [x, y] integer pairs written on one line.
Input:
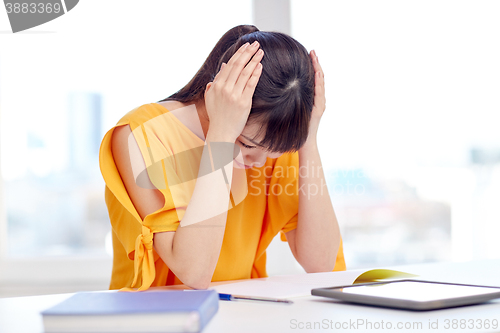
{"points": [[21, 314]]}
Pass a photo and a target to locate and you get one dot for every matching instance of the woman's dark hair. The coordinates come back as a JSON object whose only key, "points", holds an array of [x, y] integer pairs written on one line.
{"points": [[284, 96]]}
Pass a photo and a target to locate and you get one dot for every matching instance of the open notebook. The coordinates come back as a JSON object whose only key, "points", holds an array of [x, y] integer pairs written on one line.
{"points": [[286, 286]]}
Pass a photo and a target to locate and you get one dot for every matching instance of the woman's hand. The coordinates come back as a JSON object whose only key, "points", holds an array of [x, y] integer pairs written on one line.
{"points": [[319, 92], [319, 102], [228, 99]]}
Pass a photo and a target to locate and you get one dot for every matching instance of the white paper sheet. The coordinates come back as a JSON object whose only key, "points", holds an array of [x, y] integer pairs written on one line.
{"points": [[286, 286]]}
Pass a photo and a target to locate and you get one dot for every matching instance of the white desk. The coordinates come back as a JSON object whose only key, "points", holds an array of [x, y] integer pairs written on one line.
{"points": [[21, 314]]}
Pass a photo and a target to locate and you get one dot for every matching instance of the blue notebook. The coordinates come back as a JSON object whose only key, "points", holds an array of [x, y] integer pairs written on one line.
{"points": [[158, 311]]}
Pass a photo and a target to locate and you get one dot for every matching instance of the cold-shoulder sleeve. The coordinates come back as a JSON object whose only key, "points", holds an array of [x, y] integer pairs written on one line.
{"points": [[283, 201], [121, 210], [135, 234]]}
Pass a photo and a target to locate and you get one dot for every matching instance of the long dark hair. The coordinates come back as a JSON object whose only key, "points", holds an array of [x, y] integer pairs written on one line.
{"points": [[284, 96]]}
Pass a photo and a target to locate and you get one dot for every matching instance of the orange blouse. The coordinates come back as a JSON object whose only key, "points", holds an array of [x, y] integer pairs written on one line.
{"points": [[170, 153]]}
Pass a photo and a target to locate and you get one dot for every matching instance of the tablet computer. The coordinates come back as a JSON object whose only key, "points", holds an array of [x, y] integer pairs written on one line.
{"points": [[411, 294]]}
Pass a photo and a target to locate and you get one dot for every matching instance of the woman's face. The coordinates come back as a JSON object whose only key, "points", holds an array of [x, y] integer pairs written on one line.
{"points": [[251, 154]]}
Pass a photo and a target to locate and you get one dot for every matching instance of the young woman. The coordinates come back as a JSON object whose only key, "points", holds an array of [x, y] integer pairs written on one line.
{"points": [[199, 183]]}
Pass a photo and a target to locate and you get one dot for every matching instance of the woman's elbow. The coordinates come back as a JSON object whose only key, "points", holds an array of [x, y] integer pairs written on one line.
{"points": [[197, 283], [319, 266], [194, 277], [320, 269]]}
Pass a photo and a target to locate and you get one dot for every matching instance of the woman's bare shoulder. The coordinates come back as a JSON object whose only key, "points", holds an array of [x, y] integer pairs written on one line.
{"points": [[119, 148], [127, 156], [186, 114], [172, 105]]}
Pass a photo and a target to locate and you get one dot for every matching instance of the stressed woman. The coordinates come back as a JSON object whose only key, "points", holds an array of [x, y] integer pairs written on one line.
{"points": [[199, 183]]}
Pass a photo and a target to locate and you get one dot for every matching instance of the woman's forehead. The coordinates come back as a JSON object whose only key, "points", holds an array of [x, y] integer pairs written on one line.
{"points": [[251, 130]]}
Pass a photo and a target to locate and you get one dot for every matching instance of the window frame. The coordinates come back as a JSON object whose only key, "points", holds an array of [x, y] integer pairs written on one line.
{"points": [[30, 275]]}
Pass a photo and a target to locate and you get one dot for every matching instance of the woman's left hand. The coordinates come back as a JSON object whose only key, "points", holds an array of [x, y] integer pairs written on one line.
{"points": [[319, 92]]}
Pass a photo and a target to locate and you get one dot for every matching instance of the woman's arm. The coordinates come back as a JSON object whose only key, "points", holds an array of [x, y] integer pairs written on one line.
{"points": [[192, 251], [316, 240]]}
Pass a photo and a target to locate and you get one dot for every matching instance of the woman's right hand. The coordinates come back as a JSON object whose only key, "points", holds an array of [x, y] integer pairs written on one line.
{"points": [[228, 99]]}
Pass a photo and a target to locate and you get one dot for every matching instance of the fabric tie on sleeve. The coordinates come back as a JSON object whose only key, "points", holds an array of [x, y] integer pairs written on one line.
{"points": [[143, 254]]}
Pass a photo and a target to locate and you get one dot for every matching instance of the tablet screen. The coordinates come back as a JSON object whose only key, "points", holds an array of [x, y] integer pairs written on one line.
{"points": [[418, 291]]}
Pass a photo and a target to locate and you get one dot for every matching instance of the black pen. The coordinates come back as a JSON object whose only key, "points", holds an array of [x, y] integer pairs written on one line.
{"points": [[229, 297]]}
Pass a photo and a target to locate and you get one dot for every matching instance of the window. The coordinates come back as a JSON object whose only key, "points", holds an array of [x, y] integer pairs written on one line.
{"points": [[61, 89], [409, 137]]}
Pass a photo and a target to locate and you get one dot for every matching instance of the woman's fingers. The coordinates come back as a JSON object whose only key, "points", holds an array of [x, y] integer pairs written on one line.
{"points": [[252, 82], [218, 74], [225, 73], [318, 73], [247, 72], [316, 65], [228, 99], [235, 67], [319, 88]]}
